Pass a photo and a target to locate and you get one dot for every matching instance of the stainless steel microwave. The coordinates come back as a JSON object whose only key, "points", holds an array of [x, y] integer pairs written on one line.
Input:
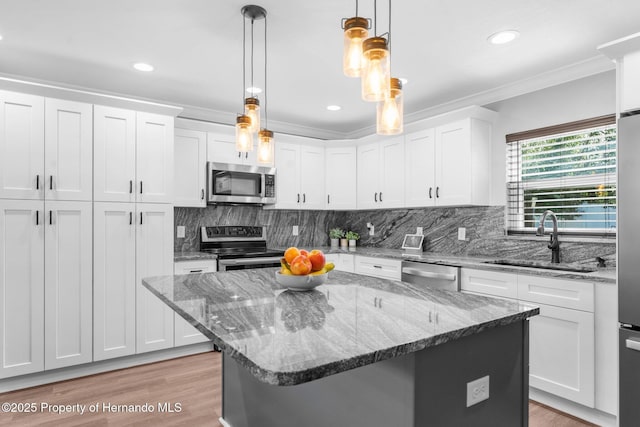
{"points": [[230, 183]]}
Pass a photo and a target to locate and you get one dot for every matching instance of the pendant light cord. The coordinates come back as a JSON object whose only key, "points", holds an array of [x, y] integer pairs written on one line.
{"points": [[252, 86], [389, 35], [356, 8], [266, 120], [244, 57], [375, 18]]}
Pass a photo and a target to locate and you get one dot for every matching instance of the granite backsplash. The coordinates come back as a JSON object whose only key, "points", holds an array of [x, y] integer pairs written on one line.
{"points": [[484, 230]]}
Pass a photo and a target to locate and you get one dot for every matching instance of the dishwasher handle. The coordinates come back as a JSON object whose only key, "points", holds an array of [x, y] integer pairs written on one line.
{"points": [[428, 274]]}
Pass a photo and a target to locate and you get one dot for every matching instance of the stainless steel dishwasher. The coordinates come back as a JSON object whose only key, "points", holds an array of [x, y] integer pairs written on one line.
{"points": [[432, 275]]}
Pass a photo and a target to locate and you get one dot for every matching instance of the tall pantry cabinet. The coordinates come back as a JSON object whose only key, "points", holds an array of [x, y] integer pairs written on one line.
{"points": [[45, 233], [133, 216]]}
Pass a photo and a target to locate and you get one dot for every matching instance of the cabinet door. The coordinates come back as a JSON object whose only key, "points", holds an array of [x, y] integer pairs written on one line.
{"points": [[221, 148], [190, 154], [114, 154], [186, 333], [288, 178], [630, 84], [420, 171], [561, 348], [21, 146], [392, 177], [21, 287], [312, 177], [154, 257], [453, 163], [114, 280], [368, 175], [68, 150], [340, 177], [154, 158], [68, 284]]}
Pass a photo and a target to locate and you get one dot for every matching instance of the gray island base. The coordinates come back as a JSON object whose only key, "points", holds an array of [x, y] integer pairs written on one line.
{"points": [[357, 351]]}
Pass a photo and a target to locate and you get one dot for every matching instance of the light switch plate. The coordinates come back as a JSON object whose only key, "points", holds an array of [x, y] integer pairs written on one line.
{"points": [[419, 230], [462, 233], [372, 231], [295, 230], [180, 232], [477, 391]]}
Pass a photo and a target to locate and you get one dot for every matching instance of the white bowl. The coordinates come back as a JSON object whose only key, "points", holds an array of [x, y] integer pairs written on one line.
{"points": [[301, 283]]}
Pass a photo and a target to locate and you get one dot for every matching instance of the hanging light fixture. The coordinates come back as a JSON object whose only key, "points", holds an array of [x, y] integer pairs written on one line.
{"points": [[389, 112], [355, 31], [265, 136], [375, 66]]}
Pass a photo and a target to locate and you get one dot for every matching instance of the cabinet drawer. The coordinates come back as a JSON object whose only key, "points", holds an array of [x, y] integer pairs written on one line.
{"points": [[558, 292], [489, 282], [200, 266], [343, 262], [378, 267]]}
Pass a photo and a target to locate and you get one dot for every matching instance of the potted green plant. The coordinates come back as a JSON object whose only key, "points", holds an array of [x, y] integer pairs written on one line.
{"points": [[352, 236], [335, 234]]}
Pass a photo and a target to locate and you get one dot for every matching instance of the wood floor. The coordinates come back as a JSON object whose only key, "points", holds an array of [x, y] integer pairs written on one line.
{"points": [[193, 382]]}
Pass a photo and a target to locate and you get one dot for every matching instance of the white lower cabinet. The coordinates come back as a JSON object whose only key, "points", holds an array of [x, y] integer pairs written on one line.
{"points": [[21, 287], [378, 267], [154, 257], [343, 262], [114, 280], [185, 333], [561, 353], [68, 283]]}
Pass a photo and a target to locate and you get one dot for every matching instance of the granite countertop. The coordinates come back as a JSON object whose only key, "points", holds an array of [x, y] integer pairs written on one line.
{"points": [[286, 338], [180, 256]]}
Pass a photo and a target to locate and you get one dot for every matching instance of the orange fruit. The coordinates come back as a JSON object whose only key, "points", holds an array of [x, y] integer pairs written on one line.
{"points": [[291, 253]]}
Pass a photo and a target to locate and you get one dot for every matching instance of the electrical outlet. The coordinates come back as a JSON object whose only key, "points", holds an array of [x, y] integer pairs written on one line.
{"points": [[419, 230], [462, 233], [477, 391], [372, 231], [295, 230], [180, 231]]}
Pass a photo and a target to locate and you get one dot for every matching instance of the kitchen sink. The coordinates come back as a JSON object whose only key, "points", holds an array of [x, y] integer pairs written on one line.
{"points": [[544, 265]]}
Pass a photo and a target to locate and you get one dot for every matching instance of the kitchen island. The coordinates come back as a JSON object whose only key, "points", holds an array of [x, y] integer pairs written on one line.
{"points": [[357, 350]]}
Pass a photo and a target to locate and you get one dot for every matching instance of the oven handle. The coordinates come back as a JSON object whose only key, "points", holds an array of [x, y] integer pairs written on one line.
{"points": [[428, 274], [249, 261]]}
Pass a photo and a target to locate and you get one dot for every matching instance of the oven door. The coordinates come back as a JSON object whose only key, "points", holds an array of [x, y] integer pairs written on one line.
{"points": [[247, 263]]}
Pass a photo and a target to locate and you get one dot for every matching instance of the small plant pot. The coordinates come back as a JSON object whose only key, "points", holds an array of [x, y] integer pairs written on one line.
{"points": [[335, 243], [343, 243], [352, 243]]}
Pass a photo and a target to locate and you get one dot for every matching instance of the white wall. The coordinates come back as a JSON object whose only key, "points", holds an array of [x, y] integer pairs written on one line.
{"points": [[580, 99]]}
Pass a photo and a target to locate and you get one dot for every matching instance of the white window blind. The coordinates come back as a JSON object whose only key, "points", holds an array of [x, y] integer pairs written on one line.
{"points": [[572, 173]]}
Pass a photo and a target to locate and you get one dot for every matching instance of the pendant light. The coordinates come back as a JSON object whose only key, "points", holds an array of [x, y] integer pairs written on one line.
{"points": [[265, 136], [389, 112], [375, 66], [355, 32]]}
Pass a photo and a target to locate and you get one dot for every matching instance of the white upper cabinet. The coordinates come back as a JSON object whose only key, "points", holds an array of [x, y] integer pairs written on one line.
{"points": [[449, 165], [68, 283], [21, 146], [68, 150], [133, 156], [340, 177], [380, 174], [21, 287], [300, 176], [190, 160], [114, 146], [630, 82]]}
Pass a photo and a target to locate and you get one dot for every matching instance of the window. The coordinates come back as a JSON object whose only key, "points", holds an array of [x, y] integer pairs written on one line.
{"points": [[569, 169]]}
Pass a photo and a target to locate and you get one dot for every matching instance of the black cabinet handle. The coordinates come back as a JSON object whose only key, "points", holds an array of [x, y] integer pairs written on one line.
{"points": [[437, 192], [50, 182], [37, 217], [130, 218], [298, 197], [37, 182], [239, 155], [304, 197], [195, 271], [202, 194], [375, 197], [130, 186], [381, 196], [328, 200], [50, 217], [430, 192], [375, 301], [246, 155], [380, 303], [140, 187], [140, 218]]}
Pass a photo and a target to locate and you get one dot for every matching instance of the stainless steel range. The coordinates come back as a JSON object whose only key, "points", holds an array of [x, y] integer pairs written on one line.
{"points": [[239, 247]]}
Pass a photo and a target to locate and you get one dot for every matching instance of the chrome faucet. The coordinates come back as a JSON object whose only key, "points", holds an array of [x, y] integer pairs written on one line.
{"points": [[554, 244]]}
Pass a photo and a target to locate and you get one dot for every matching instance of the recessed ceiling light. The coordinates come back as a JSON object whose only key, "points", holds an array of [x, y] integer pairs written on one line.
{"points": [[404, 81], [254, 90], [333, 107], [503, 37], [141, 66]]}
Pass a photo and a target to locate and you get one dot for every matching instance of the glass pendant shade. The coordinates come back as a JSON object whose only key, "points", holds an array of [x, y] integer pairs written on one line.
{"points": [[389, 118], [355, 32], [375, 69], [265, 146], [244, 136], [252, 110]]}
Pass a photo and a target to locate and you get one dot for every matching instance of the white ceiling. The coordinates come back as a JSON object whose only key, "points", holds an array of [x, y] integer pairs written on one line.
{"points": [[196, 48]]}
